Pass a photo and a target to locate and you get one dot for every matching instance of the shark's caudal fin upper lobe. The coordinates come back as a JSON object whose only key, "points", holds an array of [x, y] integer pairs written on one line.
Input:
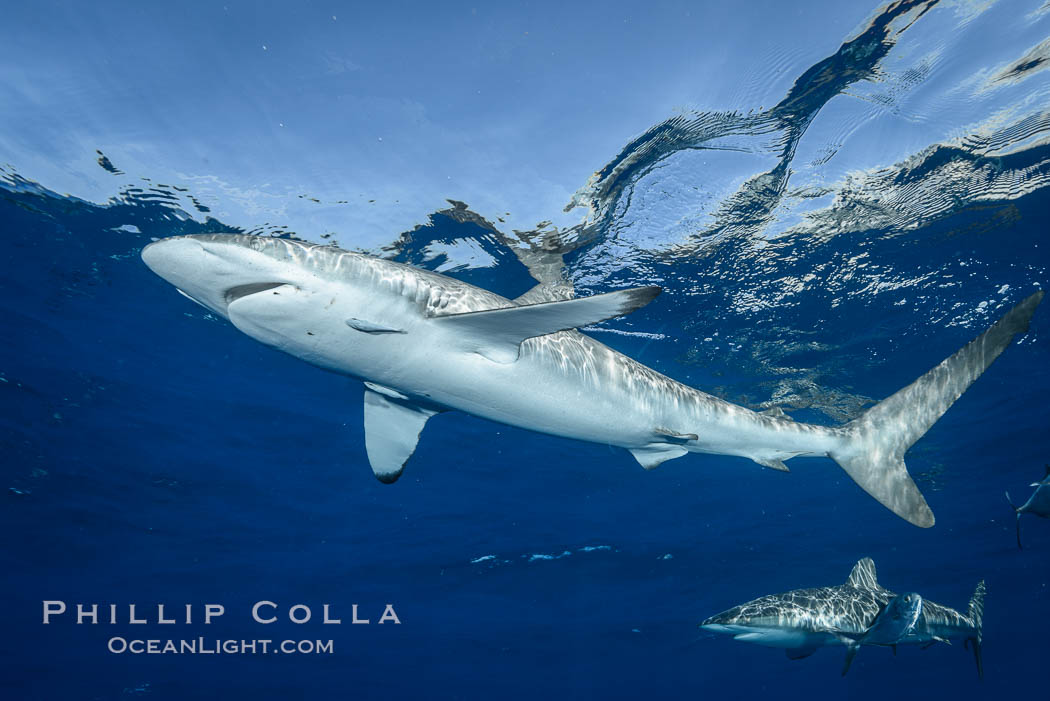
{"points": [[976, 614], [873, 452]]}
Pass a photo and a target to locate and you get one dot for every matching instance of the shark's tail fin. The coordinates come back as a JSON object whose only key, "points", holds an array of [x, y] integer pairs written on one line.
{"points": [[976, 614], [1017, 513], [873, 452]]}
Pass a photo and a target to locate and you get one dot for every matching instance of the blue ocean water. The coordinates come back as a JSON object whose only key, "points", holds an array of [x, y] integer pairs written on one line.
{"points": [[818, 251]]}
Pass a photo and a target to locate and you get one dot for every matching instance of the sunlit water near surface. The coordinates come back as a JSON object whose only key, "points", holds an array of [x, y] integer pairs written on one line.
{"points": [[819, 249]]}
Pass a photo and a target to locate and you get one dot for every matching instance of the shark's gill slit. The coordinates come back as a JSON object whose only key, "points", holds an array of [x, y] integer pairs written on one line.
{"points": [[235, 293]]}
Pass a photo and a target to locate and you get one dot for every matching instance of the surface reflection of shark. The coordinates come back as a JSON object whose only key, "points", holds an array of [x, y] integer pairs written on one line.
{"points": [[425, 343], [1038, 504], [859, 612]]}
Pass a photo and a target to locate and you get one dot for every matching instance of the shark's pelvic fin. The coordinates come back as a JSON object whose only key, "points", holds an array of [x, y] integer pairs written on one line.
{"points": [[797, 653], [774, 465], [874, 446], [654, 454], [863, 575], [497, 333], [371, 327], [392, 428]]}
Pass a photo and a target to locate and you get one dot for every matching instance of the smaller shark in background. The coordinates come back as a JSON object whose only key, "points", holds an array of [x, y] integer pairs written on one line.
{"points": [[1037, 504], [859, 612]]}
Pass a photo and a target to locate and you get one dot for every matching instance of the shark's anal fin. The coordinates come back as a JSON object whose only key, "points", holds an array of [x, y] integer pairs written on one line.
{"points": [[371, 327], [654, 454], [669, 436], [392, 428], [851, 652], [798, 653], [497, 333]]}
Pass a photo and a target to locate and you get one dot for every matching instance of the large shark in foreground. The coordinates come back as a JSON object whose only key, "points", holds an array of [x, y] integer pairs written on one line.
{"points": [[424, 343], [859, 612], [1038, 504]]}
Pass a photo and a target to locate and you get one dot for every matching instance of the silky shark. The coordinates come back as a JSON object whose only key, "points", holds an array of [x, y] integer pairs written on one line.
{"points": [[424, 343], [1038, 504], [859, 612]]}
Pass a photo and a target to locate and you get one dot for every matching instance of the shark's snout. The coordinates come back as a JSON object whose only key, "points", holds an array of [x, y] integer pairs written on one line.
{"points": [[725, 620], [210, 270]]}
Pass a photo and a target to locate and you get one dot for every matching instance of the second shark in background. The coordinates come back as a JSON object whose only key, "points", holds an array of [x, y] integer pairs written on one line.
{"points": [[859, 612], [1038, 504]]}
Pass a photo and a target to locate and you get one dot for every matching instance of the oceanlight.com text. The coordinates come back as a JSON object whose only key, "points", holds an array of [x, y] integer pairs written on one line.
{"points": [[214, 646]]}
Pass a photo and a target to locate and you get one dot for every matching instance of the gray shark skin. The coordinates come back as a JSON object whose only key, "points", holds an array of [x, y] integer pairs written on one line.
{"points": [[424, 343], [859, 612], [1038, 504]]}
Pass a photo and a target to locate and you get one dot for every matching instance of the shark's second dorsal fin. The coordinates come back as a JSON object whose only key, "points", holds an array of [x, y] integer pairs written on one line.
{"points": [[497, 333], [863, 575]]}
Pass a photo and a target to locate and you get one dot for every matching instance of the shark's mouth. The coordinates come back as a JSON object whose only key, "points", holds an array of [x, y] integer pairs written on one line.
{"points": [[240, 291]]}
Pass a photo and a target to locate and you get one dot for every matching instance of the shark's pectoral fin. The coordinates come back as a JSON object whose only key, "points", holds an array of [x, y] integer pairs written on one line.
{"points": [[654, 454], [851, 652], [371, 327], [497, 333], [942, 640], [392, 428], [669, 436], [798, 653]]}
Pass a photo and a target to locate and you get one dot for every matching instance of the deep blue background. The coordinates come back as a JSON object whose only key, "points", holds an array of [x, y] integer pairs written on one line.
{"points": [[168, 458], [864, 194]]}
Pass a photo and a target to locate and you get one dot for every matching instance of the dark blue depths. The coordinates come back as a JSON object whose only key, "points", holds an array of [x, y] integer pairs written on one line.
{"points": [[152, 455]]}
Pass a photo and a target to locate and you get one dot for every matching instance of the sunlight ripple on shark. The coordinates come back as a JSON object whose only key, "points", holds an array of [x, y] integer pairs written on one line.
{"points": [[859, 612], [423, 343]]}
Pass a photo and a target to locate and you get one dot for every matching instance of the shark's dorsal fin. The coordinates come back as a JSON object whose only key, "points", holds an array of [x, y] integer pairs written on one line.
{"points": [[776, 412], [497, 333], [863, 575], [655, 454], [546, 292], [392, 428]]}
